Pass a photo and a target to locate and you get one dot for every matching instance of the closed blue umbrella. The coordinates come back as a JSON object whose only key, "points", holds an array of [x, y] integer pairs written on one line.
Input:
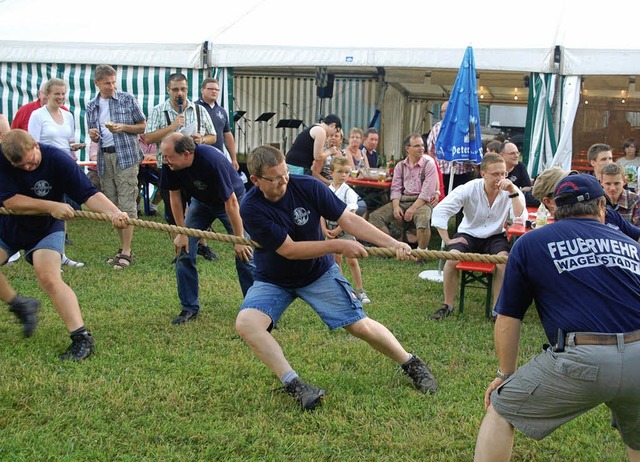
{"points": [[460, 139]]}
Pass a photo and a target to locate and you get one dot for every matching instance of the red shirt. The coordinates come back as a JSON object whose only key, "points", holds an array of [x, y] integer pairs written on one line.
{"points": [[21, 119]]}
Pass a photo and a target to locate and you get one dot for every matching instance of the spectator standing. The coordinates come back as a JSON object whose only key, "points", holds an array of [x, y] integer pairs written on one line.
{"points": [[414, 192], [587, 299], [115, 120], [210, 91], [178, 114], [340, 171], [307, 155], [599, 155], [34, 179], [21, 119], [630, 162], [282, 213], [623, 201], [517, 172], [216, 190], [486, 203]]}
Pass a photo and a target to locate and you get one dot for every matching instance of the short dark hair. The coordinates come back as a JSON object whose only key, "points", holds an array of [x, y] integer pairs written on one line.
{"points": [[184, 144], [177, 77], [332, 119], [104, 70], [613, 169], [407, 139], [595, 149], [207, 81]]}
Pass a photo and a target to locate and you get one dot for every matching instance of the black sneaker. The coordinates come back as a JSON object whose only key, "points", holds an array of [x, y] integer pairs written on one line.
{"points": [[422, 377], [206, 252], [442, 312], [26, 310], [185, 316], [81, 347], [307, 395]]}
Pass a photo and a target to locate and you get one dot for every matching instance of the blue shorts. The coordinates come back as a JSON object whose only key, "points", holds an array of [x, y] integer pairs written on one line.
{"points": [[556, 387], [331, 297], [53, 241]]}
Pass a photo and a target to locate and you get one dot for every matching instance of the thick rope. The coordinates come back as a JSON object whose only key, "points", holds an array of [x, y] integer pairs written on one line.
{"points": [[373, 251]]}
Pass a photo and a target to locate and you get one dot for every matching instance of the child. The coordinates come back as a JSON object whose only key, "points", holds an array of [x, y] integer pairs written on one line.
{"points": [[340, 171]]}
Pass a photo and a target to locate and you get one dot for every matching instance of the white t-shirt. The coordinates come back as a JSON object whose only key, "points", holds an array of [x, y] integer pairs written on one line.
{"points": [[45, 130]]}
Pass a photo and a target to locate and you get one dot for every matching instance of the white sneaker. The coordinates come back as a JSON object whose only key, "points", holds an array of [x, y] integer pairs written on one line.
{"points": [[362, 296], [14, 257], [69, 262]]}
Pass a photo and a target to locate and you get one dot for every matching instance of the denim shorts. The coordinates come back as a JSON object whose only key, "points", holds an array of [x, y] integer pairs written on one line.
{"points": [[331, 297], [53, 241], [556, 387]]}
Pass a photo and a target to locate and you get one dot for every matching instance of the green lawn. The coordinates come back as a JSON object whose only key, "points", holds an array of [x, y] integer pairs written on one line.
{"points": [[158, 392]]}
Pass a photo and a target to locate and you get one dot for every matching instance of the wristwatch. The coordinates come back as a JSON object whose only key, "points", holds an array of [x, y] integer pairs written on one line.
{"points": [[514, 195], [502, 375]]}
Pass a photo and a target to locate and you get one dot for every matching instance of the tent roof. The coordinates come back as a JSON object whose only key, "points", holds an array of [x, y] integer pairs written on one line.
{"points": [[263, 33]]}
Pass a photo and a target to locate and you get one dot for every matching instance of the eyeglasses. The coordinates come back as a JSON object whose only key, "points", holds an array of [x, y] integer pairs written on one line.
{"points": [[276, 180]]}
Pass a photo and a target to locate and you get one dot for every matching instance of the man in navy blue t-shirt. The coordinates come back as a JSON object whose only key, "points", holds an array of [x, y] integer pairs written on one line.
{"points": [[282, 213], [33, 181], [584, 278], [216, 190]]}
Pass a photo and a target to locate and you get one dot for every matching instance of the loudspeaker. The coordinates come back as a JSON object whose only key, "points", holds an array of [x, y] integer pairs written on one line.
{"points": [[326, 92]]}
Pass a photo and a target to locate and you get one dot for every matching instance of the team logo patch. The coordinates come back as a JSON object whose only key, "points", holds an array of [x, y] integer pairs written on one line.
{"points": [[200, 185], [41, 188], [300, 216]]}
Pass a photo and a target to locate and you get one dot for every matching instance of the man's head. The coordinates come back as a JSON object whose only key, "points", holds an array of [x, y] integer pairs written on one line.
{"points": [[494, 146], [333, 123], [493, 170], [414, 146], [545, 185], [268, 171], [578, 196], [177, 151], [21, 150], [510, 154], [210, 90], [612, 180], [105, 80], [42, 95], [443, 109], [177, 88], [599, 155], [371, 139]]}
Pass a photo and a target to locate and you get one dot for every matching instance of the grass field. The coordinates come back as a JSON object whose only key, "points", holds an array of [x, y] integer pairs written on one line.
{"points": [[158, 392]]}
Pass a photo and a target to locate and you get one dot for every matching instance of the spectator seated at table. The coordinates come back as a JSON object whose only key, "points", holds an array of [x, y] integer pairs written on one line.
{"points": [[414, 191], [150, 173]]}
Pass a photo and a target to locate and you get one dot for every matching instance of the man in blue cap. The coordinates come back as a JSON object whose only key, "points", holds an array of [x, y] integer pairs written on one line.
{"points": [[595, 336]]}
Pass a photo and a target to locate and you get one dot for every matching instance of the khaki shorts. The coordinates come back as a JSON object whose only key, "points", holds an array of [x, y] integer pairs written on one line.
{"points": [[120, 186], [384, 215], [556, 387]]}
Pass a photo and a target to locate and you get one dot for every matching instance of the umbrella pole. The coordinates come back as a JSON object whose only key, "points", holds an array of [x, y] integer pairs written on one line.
{"points": [[453, 164]]}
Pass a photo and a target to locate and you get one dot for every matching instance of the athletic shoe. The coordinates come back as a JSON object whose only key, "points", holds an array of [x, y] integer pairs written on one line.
{"points": [[307, 395], [185, 316], [206, 252], [422, 377], [81, 347], [362, 296], [442, 312], [69, 262], [26, 310]]}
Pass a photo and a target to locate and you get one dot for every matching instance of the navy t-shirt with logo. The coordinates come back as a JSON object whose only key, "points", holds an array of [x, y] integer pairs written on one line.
{"points": [[57, 175], [297, 215]]}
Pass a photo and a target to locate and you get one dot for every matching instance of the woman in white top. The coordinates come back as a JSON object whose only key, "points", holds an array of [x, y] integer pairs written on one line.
{"points": [[50, 124], [53, 126]]}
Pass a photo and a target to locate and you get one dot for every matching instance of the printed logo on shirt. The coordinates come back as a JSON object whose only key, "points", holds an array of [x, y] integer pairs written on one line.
{"points": [[41, 188], [300, 216], [200, 185], [575, 254]]}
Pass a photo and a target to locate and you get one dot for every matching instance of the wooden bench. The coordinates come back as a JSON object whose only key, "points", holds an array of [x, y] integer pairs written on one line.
{"points": [[480, 274]]}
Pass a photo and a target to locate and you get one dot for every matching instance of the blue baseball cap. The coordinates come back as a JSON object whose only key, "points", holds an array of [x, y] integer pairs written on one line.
{"points": [[577, 188]]}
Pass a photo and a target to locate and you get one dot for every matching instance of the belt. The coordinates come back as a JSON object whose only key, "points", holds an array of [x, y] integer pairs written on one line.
{"points": [[109, 149], [580, 338]]}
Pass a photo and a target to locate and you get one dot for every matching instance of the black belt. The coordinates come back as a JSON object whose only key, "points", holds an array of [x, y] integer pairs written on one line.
{"points": [[110, 149], [584, 338]]}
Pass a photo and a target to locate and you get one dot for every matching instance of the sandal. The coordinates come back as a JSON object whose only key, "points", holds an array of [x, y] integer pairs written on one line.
{"points": [[121, 261], [111, 260]]}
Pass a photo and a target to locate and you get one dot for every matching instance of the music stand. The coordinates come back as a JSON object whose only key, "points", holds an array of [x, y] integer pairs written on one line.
{"points": [[265, 116], [238, 115], [287, 123]]}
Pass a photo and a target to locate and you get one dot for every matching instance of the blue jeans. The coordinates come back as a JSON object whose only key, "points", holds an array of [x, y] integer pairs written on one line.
{"points": [[200, 216]]}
